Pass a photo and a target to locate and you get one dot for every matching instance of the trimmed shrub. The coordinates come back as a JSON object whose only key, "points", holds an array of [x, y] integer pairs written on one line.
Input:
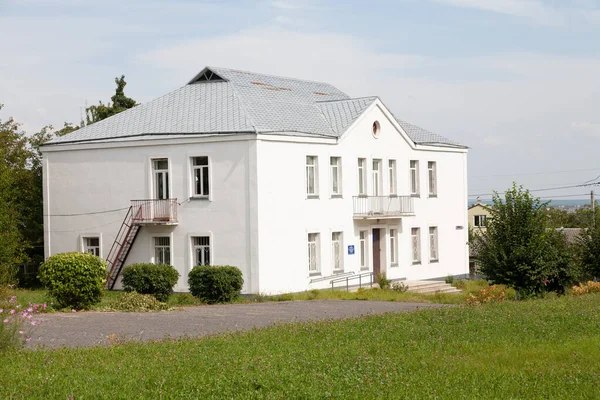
{"points": [[75, 280], [383, 281], [215, 284], [136, 302], [155, 279]]}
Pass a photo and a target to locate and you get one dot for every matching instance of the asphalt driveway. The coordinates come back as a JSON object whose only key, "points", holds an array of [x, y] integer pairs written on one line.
{"points": [[94, 328]]}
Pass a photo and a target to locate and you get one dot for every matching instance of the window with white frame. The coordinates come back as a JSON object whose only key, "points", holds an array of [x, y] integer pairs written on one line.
{"points": [[162, 250], [414, 177], [335, 164], [392, 177], [160, 169], [337, 253], [433, 243], [91, 245], [314, 260], [415, 234], [432, 178], [480, 221], [363, 248], [200, 174], [362, 176], [393, 246], [201, 250], [312, 180], [377, 178]]}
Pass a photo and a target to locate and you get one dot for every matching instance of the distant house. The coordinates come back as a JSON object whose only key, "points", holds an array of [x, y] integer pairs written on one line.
{"points": [[478, 214], [292, 181]]}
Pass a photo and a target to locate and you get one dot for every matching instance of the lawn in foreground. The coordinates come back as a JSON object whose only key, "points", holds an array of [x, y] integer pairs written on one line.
{"points": [[532, 349]]}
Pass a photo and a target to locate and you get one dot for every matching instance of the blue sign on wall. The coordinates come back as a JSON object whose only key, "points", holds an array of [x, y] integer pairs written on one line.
{"points": [[351, 249]]}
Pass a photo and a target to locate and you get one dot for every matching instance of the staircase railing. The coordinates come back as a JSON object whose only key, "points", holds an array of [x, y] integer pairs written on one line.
{"points": [[347, 279], [121, 246]]}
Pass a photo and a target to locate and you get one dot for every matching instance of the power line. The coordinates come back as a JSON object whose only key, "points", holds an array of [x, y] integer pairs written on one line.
{"points": [[535, 190], [90, 213], [536, 173]]}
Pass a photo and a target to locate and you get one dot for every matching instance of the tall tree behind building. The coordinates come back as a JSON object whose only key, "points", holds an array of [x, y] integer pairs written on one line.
{"points": [[120, 102]]}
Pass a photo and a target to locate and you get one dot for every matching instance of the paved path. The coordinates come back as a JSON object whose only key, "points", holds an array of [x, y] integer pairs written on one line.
{"points": [[93, 328]]}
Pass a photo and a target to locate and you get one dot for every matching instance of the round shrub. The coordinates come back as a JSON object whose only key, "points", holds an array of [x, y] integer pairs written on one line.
{"points": [[155, 279], [215, 284], [136, 302], [75, 280]]}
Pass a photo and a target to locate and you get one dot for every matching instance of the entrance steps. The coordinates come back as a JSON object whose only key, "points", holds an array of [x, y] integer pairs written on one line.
{"points": [[430, 287]]}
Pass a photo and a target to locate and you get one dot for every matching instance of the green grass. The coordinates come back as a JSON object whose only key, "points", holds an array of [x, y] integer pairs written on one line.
{"points": [[545, 348]]}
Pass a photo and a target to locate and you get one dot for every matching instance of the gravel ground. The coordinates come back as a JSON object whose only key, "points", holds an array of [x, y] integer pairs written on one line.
{"points": [[86, 329]]}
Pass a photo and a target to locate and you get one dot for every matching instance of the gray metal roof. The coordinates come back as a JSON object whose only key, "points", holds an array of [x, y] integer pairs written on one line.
{"points": [[220, 100]]}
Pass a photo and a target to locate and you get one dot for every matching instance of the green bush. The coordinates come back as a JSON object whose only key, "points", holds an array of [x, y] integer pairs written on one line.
{"points": [[383, 281], [215, 284], [75, 280], [137, 302], [399, 287], [155, 279]]}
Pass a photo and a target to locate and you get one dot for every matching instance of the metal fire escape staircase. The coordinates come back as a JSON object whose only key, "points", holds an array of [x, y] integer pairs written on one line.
{"points": [[122, 245]]}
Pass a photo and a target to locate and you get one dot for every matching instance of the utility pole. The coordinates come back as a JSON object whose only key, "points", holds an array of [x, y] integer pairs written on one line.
{"points": [[593, 209]]}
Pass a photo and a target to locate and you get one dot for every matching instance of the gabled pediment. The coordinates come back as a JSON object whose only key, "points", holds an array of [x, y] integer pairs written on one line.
{"points": [[207, 75]]}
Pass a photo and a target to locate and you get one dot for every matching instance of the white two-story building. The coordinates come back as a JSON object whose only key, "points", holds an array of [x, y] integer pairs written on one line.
{"points": [[292, 181]]}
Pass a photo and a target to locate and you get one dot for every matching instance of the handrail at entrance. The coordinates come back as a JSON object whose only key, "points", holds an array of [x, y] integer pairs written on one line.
{"points": [[353, 277]]}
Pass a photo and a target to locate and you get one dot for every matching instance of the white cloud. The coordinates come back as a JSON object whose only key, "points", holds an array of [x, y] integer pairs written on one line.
{"points": [[532, 9]]}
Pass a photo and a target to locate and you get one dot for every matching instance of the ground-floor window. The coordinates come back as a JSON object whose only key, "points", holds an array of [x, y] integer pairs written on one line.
{"points": [[363, 248], [393, 246], [162, 250], [313, 253], [201, 250], [416, 244], [337, 255], [91, 245], [433, 243]]}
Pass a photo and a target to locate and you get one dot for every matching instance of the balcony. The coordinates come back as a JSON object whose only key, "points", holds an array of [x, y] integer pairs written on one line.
{"points": [[154, 212], [381, 207]]}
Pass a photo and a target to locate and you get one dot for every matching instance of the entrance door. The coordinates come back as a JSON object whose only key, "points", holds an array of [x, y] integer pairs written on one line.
{"points": [[160, 209], [376, 252]]}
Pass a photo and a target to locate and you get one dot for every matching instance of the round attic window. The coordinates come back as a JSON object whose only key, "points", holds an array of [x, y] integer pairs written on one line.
{"points": [[376, 129]]}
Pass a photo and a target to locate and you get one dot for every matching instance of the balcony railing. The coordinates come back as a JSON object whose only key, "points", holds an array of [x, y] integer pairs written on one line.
{"points": [[152, 211], [383, 206]]}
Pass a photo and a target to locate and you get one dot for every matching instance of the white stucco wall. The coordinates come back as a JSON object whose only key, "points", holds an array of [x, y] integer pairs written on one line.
{"points": [[286, 214], [89, 178]]}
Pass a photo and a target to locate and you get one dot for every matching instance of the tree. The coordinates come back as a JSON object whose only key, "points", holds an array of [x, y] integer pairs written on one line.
{"points": [[589, 251], [519, 251], [120, 102]]}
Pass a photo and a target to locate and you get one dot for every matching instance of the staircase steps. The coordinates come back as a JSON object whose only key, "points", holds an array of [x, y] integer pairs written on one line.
{"points": [[430, 287], [122, 246]]}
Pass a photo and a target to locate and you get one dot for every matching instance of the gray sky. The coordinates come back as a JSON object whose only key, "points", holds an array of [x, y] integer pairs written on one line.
{"points": [[516, 80]]}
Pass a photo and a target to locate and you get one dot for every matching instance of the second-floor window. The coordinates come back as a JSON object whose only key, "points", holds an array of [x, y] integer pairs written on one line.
{"points": [[414, 177], [160, 169], [362, 176], [312, 181], [200, 176], [480, 221], [376, 177], [432, 178], [336, 175], [392, 177]]}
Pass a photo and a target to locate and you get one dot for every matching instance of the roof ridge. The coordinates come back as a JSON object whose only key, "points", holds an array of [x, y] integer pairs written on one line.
{"points": [[274, 76], [247, 114], [349, 99]]}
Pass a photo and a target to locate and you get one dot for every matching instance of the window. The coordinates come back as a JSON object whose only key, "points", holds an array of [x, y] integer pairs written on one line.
{"points": [[432, 175], [91, 245], [480, 221], [337, 252], [376, 177], [201, 250], [362, 176], [363, 249], [414, 177], [200, 176], [392, 175], [313, 253], [161, 178], [312, 180], [416, 245], [433, 244], [376, 129], [393, 246], [336, 175], [162, 250]]}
